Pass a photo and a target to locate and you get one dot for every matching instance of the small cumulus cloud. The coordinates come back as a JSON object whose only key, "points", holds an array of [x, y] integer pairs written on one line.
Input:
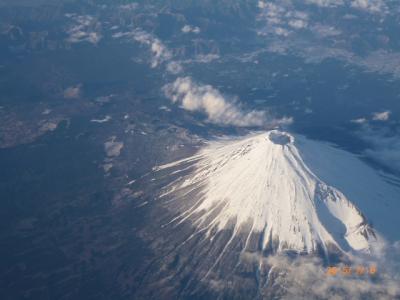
{"points": [[190, 29], [261, 4], [85, 29], [359, 121], [281, 31], [271, 12], [280, 17], [374, 6], [208, 100], [297, 19], [174, 67], [381, 116], [298, 24]]}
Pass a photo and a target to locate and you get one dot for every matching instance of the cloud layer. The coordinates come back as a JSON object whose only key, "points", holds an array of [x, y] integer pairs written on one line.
{"points": [[208, 100], [305, 277]]}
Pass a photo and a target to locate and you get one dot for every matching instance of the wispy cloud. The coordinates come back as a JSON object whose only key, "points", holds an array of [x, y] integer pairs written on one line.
{"points": [[205, 58], [359, 121], [129, 7], [298, 23], [372, 6], [209, 101], [325, 30], [85, 29], [281, 18], [326, 3], [159, 52]]}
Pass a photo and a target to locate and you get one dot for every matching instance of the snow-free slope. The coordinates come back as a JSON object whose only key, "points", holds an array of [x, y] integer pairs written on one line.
{"points": [[262, 183]]}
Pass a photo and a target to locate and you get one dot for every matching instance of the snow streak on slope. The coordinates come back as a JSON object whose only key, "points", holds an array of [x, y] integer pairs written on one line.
{"points": [[261, 182]]}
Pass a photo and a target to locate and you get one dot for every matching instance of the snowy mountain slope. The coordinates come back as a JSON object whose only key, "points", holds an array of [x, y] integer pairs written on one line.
{"points": [[261, 184], [375, 194]]}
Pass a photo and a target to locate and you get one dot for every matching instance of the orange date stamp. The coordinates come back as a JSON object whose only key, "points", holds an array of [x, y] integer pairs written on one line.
{"points": [[348, 270]]}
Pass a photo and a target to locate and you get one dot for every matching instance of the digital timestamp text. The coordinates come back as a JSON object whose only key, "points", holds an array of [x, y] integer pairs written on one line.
{"points": [[348, 270]]}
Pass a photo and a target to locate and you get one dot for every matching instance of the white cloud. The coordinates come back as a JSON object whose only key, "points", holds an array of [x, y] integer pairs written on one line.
{"points": [[359, 121], [373, 6], [190, 29], [73, 92], [281, 31], [272, 12], [325, 31], [85, 29], [298, 24], [280, 16], [382, 61], [103, 120], [174, 67], [159, 52], [305, 277], [381, 116], [325, 3], [129, 7], [206, 99], [261, 4], [206, 58]]}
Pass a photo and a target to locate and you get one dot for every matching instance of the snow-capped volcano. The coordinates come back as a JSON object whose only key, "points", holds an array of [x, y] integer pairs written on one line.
{"points": [[260, 186]]}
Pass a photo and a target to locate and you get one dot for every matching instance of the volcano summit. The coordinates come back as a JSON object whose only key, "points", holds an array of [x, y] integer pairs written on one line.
{"points": [[271, 189]]}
